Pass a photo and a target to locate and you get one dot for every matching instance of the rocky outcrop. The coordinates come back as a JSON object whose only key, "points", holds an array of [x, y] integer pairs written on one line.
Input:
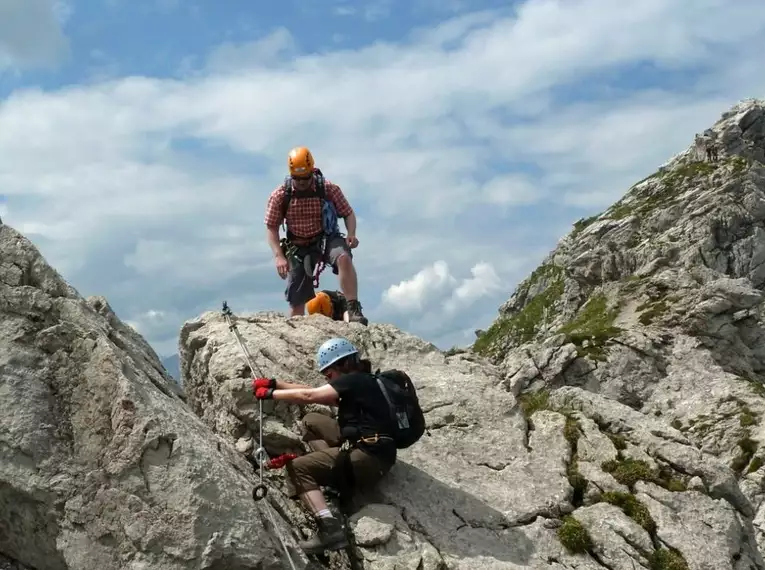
{"points": [[102, 465], [647, 320], [475, 493], [502, 470]]}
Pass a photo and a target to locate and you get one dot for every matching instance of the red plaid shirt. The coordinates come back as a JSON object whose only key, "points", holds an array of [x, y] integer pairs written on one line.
{"points": [[304, 214]]}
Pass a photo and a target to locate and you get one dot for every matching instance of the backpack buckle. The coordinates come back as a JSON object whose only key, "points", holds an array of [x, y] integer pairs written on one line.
{"points": [[371, 439]]}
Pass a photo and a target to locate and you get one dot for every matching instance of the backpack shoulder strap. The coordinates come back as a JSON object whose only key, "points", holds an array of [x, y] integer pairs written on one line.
{"points": [[384, 390], [320, 188], [287, 195]]}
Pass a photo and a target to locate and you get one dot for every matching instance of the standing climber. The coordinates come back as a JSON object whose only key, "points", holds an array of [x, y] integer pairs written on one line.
{"points": [[714, 151], [352, 387], [310, 205], [331, 304]]}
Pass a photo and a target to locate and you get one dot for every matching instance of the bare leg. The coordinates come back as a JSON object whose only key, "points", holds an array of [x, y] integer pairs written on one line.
{"points": [[347, 277], [314, 500]]}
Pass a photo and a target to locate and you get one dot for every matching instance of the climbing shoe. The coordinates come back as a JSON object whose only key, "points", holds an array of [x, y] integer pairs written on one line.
{"points": [[354, 312], [331, 536]]}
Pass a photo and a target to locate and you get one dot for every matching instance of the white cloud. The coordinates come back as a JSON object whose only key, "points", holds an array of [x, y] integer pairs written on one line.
{"points": [[485, 281], [411, 294], [512, 190], [435, 290], [477, 138]]}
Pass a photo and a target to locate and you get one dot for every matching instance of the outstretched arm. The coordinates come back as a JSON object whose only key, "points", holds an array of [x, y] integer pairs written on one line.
{"points": [[323, 395], [273, 383], [282, 385]]}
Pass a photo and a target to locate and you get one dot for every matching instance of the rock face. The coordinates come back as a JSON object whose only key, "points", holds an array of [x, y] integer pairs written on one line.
{"points": [[647, 320], [102, 464]]}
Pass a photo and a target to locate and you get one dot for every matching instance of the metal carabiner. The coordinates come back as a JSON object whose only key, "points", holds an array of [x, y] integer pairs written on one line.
{"points": [[259, 492]]}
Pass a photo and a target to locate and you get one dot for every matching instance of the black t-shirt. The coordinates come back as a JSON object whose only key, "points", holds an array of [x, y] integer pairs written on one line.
{"points": [[363, 412]]}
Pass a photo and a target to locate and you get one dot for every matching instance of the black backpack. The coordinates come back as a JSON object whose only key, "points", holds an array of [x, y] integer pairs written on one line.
{"points": [[407, 419], [339, 304]]}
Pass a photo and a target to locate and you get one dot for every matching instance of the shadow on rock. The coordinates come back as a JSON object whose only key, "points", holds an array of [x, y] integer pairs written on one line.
{"points": [[452, 520]]}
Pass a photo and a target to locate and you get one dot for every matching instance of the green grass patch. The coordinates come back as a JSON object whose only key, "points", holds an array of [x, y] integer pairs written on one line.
{"points": [[756, 463], [631, 507], [628, 471], [756, 386], [747, 418], [578, 482], [592, 327], [667, 559], [747, 447], [670, 185], [619, 441], [652, 311], [573, 536], [739, 164], [531, 402], [524, 325], [583, 223]]}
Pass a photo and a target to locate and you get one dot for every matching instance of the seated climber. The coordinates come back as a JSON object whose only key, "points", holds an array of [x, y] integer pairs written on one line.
{"points": [[352, 387], [331, 304]]}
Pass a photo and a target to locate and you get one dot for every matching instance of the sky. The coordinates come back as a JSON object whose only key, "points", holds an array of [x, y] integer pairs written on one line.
{"points": [[140, 140]]}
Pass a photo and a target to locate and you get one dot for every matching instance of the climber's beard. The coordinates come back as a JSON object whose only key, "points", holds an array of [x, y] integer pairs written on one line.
{"points": [[302, 183]]}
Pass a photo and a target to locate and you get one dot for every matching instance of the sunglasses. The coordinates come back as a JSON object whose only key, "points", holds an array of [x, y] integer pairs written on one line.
{"points": [[306, 177]]}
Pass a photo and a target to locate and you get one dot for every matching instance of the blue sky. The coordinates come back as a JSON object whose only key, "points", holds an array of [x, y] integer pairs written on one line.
{"points": [[139, 140]]}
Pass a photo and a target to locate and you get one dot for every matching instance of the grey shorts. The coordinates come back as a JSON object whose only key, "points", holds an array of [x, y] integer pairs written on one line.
{"points": [[299, 288]]}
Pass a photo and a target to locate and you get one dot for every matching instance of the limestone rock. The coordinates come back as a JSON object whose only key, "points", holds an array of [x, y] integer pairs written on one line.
{"points": [[646, 319], [102, 464], [466, 489]]}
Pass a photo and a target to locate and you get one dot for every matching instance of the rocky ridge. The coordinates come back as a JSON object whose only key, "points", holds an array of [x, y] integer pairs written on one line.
{"points": [[610, 418], [654, 306]]}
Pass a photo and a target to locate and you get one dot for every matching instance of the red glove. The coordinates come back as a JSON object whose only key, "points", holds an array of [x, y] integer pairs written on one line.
{"points": [[263, 383], [280, 461], [264, 393]]}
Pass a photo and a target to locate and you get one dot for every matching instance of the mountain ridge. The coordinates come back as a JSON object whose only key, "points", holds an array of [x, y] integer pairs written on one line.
{"points": [[612, 417]]}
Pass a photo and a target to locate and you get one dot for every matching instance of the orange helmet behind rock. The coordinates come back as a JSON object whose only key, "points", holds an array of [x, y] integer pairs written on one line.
{"points": [[300, 161], [321, 303]]}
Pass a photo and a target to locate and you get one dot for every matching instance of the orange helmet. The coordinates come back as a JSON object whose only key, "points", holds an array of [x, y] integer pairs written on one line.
{"points": [[300, 161], [321, 303]]}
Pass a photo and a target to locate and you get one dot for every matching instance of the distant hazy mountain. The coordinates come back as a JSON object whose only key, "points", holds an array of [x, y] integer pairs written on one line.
{"points": [[173, 365]]}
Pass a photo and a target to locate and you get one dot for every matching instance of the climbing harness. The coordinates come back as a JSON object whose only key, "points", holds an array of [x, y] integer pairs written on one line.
{"points": [[290, 250], [260, 455]]}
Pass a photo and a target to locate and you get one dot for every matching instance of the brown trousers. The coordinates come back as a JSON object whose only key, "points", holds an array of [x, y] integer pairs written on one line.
{"points": [[314, 470]]}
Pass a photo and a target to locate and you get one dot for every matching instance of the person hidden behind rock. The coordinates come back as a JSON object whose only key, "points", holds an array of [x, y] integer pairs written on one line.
{"points": [[356, 450], [331, 304], [309, 205]]}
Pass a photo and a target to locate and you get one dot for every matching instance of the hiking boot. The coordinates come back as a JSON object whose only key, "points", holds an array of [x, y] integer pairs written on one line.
{"points": [[354, 313], [331, 536]]}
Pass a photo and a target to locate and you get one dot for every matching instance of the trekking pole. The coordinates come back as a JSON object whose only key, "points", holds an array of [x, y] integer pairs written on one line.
{"points": [[260, 455]]}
